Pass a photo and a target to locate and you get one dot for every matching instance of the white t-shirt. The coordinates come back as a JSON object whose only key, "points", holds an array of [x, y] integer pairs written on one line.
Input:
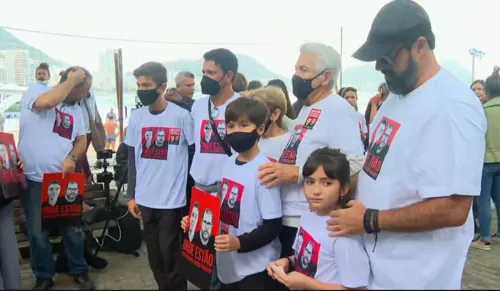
{"points": [[273, 147], [161, 155], [46, 136], [331, 122], [209, 155], [427, 144], [362, 123], [334, 260], [241, 190]]}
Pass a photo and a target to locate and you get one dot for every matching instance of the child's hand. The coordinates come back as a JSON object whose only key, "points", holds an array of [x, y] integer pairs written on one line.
{"points": [[184, 223], [226, 243], [293, 280], [20, 163], [283, 263]]}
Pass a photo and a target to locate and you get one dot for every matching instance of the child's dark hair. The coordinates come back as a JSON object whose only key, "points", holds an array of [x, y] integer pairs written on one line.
{"points": [[254, 110], [335, 165]]}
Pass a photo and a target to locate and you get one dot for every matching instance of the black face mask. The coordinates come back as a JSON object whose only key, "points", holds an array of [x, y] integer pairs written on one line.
{"points": [[303, 87], [209, 86], [402, 83], [148, 97], [242, 141]]}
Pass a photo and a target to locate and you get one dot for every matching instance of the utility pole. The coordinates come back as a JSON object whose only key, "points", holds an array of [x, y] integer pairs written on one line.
{"points": [[475, 53]]}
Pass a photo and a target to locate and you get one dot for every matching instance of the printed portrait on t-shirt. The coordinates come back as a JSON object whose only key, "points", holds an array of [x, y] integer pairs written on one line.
{"points": [[312, 118], [174, 136], [193, 221], [307, 254], [300, 240], [63, 124], [230, 209], [154, 143], [209, 142], [289, 155], [380, 143]]}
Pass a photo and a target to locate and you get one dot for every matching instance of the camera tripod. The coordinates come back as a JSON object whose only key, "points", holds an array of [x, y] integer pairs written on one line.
{"points": [[110, 206]]}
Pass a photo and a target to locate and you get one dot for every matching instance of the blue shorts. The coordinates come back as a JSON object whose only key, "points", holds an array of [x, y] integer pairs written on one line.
{"points": [[111, 138]]}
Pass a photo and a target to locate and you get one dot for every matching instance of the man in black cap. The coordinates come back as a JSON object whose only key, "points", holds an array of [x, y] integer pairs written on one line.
{"points": [[414, 201]]}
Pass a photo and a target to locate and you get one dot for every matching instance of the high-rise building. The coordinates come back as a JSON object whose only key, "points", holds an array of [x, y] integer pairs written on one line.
{"points": [[107, 62], [17, 66]]}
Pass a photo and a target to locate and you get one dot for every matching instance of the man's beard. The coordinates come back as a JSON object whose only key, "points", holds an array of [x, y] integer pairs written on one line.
{"points": [[205, 235], [305, 262], [159, 143], [402, 83]]}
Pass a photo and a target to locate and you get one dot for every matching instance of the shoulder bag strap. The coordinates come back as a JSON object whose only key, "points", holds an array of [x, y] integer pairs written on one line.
{"points": [[214, 129]]}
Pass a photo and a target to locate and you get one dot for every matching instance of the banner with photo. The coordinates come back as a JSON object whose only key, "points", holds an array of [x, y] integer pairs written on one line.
{"points": [[62, 200], [12, 180], [198, 252]]}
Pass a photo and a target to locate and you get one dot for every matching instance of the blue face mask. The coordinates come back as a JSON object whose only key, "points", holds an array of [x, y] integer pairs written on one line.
{"points": [[42, 82]]}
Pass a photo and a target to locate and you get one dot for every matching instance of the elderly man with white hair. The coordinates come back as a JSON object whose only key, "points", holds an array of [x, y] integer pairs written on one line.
{"points": [[326, 120]]}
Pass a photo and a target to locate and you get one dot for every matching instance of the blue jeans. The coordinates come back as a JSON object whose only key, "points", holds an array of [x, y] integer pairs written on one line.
{"points": [[490, 190], [42, 261], [10, 271]]}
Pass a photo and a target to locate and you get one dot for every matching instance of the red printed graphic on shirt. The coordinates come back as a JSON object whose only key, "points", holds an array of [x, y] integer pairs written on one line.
{"points": [[155, 143], [306, 253], [63, 125], [232, 193], [174, 136], [289, 155], [209, 142], [380, 143], [312, 118]]}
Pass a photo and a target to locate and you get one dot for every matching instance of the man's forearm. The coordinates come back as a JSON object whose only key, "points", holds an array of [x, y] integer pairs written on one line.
{"points": [[427, 215], [131, 173], [79, 146], [56, 95]]}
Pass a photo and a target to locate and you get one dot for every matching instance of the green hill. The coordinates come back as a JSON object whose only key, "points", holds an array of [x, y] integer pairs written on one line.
{"points": [[10, 42]]}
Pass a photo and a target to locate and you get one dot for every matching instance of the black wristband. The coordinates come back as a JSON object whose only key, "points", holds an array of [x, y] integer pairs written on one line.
{"points": [[367, 220], [376, 228]]}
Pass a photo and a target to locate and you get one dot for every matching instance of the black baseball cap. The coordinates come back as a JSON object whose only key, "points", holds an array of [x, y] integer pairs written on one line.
{"points": [[399, 21]]}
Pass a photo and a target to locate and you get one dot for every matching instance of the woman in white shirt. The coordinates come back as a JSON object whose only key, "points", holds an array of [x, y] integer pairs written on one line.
{"points": [[276, 136]]}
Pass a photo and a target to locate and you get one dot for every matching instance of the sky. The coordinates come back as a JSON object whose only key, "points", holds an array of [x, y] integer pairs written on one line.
{"points": [[271, 31]]}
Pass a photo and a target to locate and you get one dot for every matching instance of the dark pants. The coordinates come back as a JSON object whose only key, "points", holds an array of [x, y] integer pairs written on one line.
{"points": [[259, 281], [10, 271], [162, 234], [287, 238], [475, 215], [82, 165], [42, 261]]}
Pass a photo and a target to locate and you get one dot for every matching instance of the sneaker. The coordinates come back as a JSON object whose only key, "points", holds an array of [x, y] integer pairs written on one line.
{"points": [[495, 238], [481, 245], [43, 284], [84, 282]]}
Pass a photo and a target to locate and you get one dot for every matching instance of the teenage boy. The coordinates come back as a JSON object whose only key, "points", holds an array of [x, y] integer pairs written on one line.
{"points": [[248, 239], [158, 169]]}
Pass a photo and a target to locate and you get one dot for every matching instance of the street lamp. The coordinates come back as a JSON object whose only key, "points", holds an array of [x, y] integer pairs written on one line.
{"points": [[475, 53]]}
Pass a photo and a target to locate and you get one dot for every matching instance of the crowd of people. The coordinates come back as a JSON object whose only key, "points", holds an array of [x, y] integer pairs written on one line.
{"points": [[315, 195]]}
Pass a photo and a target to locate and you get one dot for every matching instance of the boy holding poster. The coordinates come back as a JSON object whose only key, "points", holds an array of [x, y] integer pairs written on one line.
{"points": [[249, 238], [158, 137]]}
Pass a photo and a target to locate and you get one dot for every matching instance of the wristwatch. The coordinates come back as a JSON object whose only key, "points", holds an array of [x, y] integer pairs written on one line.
{"points": [[72, 157]]}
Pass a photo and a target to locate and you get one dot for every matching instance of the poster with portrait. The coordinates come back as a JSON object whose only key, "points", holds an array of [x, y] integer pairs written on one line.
{"points": [[12, 180], [198, 253], [62, 200]]}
